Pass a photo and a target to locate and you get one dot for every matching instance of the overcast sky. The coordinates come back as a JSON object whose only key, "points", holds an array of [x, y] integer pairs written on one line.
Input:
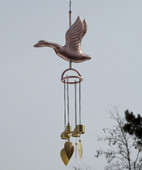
{"points": [[31, 93]]}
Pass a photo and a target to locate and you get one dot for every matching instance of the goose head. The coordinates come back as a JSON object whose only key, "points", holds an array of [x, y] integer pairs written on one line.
{"points": [[41, 43]]}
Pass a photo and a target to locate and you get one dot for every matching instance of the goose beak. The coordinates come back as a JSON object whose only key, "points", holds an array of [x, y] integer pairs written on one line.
{"points": [[37, 45], [89, 57], [41, 43]]}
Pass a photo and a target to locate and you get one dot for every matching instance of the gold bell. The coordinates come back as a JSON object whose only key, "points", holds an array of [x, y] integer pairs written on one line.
{"points": [[80, 129], [75, 133], [68, 129], [65, 136]]}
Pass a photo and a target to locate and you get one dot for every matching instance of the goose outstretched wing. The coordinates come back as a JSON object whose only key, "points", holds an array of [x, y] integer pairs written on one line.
{"points": [[75, 34]]}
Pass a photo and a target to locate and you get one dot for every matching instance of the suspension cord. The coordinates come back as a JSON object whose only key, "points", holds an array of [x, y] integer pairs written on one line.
{"points": [[64, 105], [70, 12], [70, 5], [75, 105], [68, 100], [80, 103]]}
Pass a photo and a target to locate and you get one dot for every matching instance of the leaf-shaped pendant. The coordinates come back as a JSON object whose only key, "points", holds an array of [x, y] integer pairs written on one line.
{"points": [[69, 149], [64, 157], [80, 149]]}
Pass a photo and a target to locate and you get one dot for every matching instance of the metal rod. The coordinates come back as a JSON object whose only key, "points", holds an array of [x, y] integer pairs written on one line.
{"points": [[68, 100], [64, 105], [79, 103], [75, 105], [70, 12], [70, 5], [70, 64]]}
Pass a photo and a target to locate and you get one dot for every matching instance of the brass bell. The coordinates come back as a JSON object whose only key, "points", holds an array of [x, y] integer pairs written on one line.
{"points": [[80, 129], [65, 136], [68, 129], [75, 133]]}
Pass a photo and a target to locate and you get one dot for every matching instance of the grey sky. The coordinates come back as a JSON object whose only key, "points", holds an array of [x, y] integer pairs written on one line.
{"points": [[31, 94]]}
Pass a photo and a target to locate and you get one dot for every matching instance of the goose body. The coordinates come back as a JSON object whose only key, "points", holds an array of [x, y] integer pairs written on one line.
{"points": [[71, 51]]}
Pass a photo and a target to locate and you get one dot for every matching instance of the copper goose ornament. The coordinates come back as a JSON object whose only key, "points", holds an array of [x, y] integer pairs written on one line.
{"points": [[71, 51]]}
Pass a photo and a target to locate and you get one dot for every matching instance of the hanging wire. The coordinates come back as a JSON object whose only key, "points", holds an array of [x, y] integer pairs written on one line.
{"points": [[70, 5], [70, 13], [75, 105], [64, 105], [68, 100], [80, 103]]}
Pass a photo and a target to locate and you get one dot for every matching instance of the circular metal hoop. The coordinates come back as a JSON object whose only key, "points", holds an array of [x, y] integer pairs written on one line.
{"points": [[69, 78]]}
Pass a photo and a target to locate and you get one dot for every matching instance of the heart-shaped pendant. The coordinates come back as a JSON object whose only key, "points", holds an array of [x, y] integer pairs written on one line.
{"points": [[69, 149], [80, 149], [64, 157]]}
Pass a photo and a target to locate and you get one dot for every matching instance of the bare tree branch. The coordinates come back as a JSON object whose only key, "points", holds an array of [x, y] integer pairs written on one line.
{"points": [[122, 150]]}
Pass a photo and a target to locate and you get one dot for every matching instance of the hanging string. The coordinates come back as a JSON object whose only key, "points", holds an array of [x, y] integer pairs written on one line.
{"points": [[80, 103], [64, 105], [70, 12], [68, 100], [75, 105], [70, 5]]}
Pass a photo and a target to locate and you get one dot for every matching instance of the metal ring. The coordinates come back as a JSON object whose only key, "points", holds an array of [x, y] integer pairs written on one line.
{"points": [[71, 77]]}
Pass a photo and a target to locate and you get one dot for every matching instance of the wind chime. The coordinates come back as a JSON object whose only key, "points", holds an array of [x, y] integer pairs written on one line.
{"points": [[79, 129], [71, 52]]}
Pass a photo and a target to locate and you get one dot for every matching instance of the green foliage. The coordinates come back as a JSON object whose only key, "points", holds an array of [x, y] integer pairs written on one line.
{"points": [[133, 126]]}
